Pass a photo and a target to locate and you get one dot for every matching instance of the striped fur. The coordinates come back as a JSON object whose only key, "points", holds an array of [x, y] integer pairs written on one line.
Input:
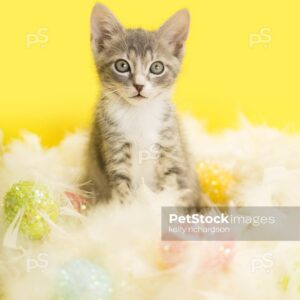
{"points": [[137, 139]]}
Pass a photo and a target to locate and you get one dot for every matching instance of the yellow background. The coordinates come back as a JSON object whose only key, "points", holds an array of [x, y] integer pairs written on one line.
{"points": [[50, 88]]}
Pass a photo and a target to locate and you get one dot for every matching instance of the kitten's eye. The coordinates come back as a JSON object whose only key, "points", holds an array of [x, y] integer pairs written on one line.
{"points": [[157, 68], [122, 66]]}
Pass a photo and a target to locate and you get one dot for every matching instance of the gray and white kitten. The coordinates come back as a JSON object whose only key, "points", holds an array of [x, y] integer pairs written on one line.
{"points": [[136, 137]]}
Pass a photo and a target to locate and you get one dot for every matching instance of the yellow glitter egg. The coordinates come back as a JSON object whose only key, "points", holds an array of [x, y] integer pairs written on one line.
{"points": [[33, 199], [284, 282], [215, 182], [290, 282]]}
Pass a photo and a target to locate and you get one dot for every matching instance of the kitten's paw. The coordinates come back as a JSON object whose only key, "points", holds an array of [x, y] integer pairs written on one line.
{"points": [[189, 199], [122, 197]]}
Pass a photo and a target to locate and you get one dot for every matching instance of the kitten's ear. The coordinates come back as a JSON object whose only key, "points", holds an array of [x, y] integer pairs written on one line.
{"points": [[104, 25], [175, 31]]}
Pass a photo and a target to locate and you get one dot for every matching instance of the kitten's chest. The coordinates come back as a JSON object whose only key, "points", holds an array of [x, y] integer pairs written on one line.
{"points": [[141, 127], [141, 131]]}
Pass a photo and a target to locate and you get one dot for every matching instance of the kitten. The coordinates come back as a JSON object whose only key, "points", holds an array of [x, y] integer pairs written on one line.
{"points": [[135, 136]]}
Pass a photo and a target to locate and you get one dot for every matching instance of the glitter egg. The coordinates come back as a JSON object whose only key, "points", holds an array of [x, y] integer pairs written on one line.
{"points": [[81, 279], [171, 253], [211, 255], [215, 182], [218, 255], [289, 283], [284, 283], [79, 203], [33, 199]]}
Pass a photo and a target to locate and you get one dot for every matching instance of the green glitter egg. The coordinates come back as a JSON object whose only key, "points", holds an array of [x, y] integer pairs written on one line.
{"points": [[33, 198]]}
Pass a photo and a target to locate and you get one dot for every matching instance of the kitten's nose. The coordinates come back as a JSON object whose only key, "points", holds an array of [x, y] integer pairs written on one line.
{"points": [[138, 87]]}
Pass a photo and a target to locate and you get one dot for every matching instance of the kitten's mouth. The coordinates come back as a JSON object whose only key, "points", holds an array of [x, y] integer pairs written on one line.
{"points": [[138, 97]]}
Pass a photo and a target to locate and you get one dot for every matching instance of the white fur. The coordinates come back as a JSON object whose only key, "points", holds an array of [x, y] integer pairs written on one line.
{"points": [[140, 125]]}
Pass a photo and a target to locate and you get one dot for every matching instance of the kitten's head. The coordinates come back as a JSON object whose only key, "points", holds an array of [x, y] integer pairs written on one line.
{"points": [[137, 65]]}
